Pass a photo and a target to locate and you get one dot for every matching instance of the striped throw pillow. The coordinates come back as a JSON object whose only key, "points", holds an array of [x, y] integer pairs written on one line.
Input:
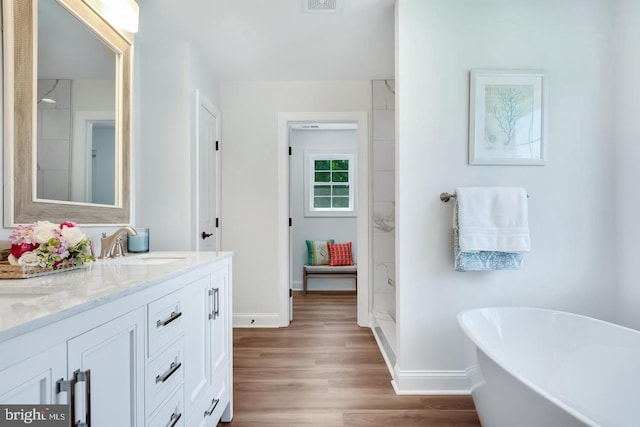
{"points": [[318, 252]]}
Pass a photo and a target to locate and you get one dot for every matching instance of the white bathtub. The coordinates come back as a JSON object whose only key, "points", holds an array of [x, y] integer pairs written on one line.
{"points": [[535, 367]]}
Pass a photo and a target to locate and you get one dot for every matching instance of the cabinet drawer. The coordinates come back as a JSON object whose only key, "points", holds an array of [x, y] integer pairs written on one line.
{"points": [[165, 321], [164, 374], [170, 413]]}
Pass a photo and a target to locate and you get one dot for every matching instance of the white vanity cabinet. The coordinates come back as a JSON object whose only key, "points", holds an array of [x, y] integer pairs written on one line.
{"points": [[103, 366], [208, 336], [160, 355]]}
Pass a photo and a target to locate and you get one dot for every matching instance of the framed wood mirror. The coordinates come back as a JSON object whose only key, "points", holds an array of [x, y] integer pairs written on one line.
{"points": [[50, 165]]}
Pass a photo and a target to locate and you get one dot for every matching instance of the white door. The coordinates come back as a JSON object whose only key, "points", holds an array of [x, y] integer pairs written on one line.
{"points": [[208, 176]]}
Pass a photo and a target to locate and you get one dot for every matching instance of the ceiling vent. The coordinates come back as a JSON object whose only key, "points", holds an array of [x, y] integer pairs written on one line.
{"points": [[313, 6]]}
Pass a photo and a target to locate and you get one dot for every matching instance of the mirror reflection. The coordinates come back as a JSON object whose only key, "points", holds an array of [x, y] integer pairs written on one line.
{"points": [[76, 103]]}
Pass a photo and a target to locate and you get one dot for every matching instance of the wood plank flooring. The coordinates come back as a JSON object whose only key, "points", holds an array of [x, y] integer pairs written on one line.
{"points": [[324, 370]]}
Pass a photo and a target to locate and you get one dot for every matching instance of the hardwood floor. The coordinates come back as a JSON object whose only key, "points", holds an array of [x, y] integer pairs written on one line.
{"points": [[324, 370]]}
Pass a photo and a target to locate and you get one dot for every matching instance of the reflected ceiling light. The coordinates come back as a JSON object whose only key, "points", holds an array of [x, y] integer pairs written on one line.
{"points": [[45, 98], [120, 13]]}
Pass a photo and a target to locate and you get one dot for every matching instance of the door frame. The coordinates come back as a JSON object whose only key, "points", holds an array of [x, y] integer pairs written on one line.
{"points": [[203, 101], [364, 208]]}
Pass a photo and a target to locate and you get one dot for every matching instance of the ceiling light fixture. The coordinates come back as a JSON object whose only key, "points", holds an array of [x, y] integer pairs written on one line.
{"points": [[320, 5]]}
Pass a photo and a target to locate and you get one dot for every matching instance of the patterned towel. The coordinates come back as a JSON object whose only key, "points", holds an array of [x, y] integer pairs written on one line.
{"points": [[482, 260]]}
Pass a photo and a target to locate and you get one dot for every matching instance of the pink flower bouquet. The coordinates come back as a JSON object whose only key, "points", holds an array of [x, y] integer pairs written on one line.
{"points": [[45, 244]]}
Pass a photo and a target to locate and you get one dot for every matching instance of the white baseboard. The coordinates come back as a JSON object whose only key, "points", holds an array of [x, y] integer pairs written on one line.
{"points": [[430, 382], [387, 353], [262, 320]]}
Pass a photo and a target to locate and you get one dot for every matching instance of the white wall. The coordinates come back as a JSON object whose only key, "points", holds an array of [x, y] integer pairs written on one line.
{"points": [[627, 202], [571, 209], [94, 95], [170, 73], [250, 178], [340, 229]]}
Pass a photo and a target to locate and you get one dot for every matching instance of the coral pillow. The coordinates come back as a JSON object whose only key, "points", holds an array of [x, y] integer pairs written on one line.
{"points": [[340, 253]]}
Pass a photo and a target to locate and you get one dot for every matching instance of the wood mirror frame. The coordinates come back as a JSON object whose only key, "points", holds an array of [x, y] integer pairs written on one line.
{"points": [[20, 85]]}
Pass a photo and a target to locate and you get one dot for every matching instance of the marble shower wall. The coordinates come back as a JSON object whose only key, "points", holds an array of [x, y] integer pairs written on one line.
{"points": [[384, 221]]}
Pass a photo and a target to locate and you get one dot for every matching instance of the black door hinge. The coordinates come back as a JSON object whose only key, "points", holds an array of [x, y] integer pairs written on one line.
{"points": [[290, 293], [290, 222], [289, 150], [217, 145], [217, 222]]}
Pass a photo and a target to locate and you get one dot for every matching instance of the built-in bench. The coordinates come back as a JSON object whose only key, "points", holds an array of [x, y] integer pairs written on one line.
{"points": [[327, 271]]}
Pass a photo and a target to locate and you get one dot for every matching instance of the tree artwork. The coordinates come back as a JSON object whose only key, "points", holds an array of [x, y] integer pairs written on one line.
{"points": [[508, 111]]}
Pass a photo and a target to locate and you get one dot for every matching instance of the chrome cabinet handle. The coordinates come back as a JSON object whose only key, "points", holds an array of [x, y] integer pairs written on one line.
{"points": [[82, 400], [209, 411], [216, 303], [217, 313], [173, 316], [172, 370], [66, 387], [174, 419]]}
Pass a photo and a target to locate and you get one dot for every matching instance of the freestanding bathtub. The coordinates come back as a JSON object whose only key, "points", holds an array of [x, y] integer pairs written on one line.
{"points": [[545, 368]]}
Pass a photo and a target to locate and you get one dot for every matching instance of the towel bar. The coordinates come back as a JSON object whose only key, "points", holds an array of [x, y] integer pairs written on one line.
{"points": [[445, 197]]}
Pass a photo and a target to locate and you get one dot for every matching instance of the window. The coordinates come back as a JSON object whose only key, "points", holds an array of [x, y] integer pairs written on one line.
{"points": [[330, 187]]}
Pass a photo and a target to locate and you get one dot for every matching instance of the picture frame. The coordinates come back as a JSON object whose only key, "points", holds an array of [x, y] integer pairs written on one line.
{"points": [[507, 117]]}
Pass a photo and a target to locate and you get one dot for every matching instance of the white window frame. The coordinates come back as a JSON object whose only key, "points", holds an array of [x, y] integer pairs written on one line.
{"points": [[310, 156]]}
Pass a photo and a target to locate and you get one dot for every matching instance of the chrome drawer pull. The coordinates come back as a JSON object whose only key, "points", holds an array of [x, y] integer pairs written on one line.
{"points": [[174, 419], [216, 303], [172, 369], [173, 316], [209, 411]]}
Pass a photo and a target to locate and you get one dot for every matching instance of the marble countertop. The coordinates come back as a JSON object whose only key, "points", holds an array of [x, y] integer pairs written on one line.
{"points": [[26, 304]]}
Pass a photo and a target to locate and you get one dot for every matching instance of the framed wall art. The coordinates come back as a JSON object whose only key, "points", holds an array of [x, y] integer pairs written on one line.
{"points": [[507, 117]]}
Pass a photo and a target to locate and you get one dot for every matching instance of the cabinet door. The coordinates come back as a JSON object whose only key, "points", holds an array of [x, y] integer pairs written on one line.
{"points": [[219, 327], [217, 391], [197, 307], [33, 381], [113, 355]]}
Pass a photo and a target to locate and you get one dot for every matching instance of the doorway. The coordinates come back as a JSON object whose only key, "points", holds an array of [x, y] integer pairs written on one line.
{"points": [[358, 121]]}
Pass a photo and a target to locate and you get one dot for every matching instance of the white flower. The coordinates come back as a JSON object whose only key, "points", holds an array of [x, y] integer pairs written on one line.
{"points": [[29, 259], [72, 235], [12, 260], [44, 231]]}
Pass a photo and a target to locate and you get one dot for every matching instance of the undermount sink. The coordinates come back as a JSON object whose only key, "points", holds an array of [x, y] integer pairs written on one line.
{"points": [[148, 260]]}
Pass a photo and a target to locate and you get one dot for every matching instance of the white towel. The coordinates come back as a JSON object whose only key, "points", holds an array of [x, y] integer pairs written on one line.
{"points": [[493, 219]]}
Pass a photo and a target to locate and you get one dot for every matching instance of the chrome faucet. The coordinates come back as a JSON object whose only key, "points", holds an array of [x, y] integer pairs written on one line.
{"points": [[111, 246]]}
